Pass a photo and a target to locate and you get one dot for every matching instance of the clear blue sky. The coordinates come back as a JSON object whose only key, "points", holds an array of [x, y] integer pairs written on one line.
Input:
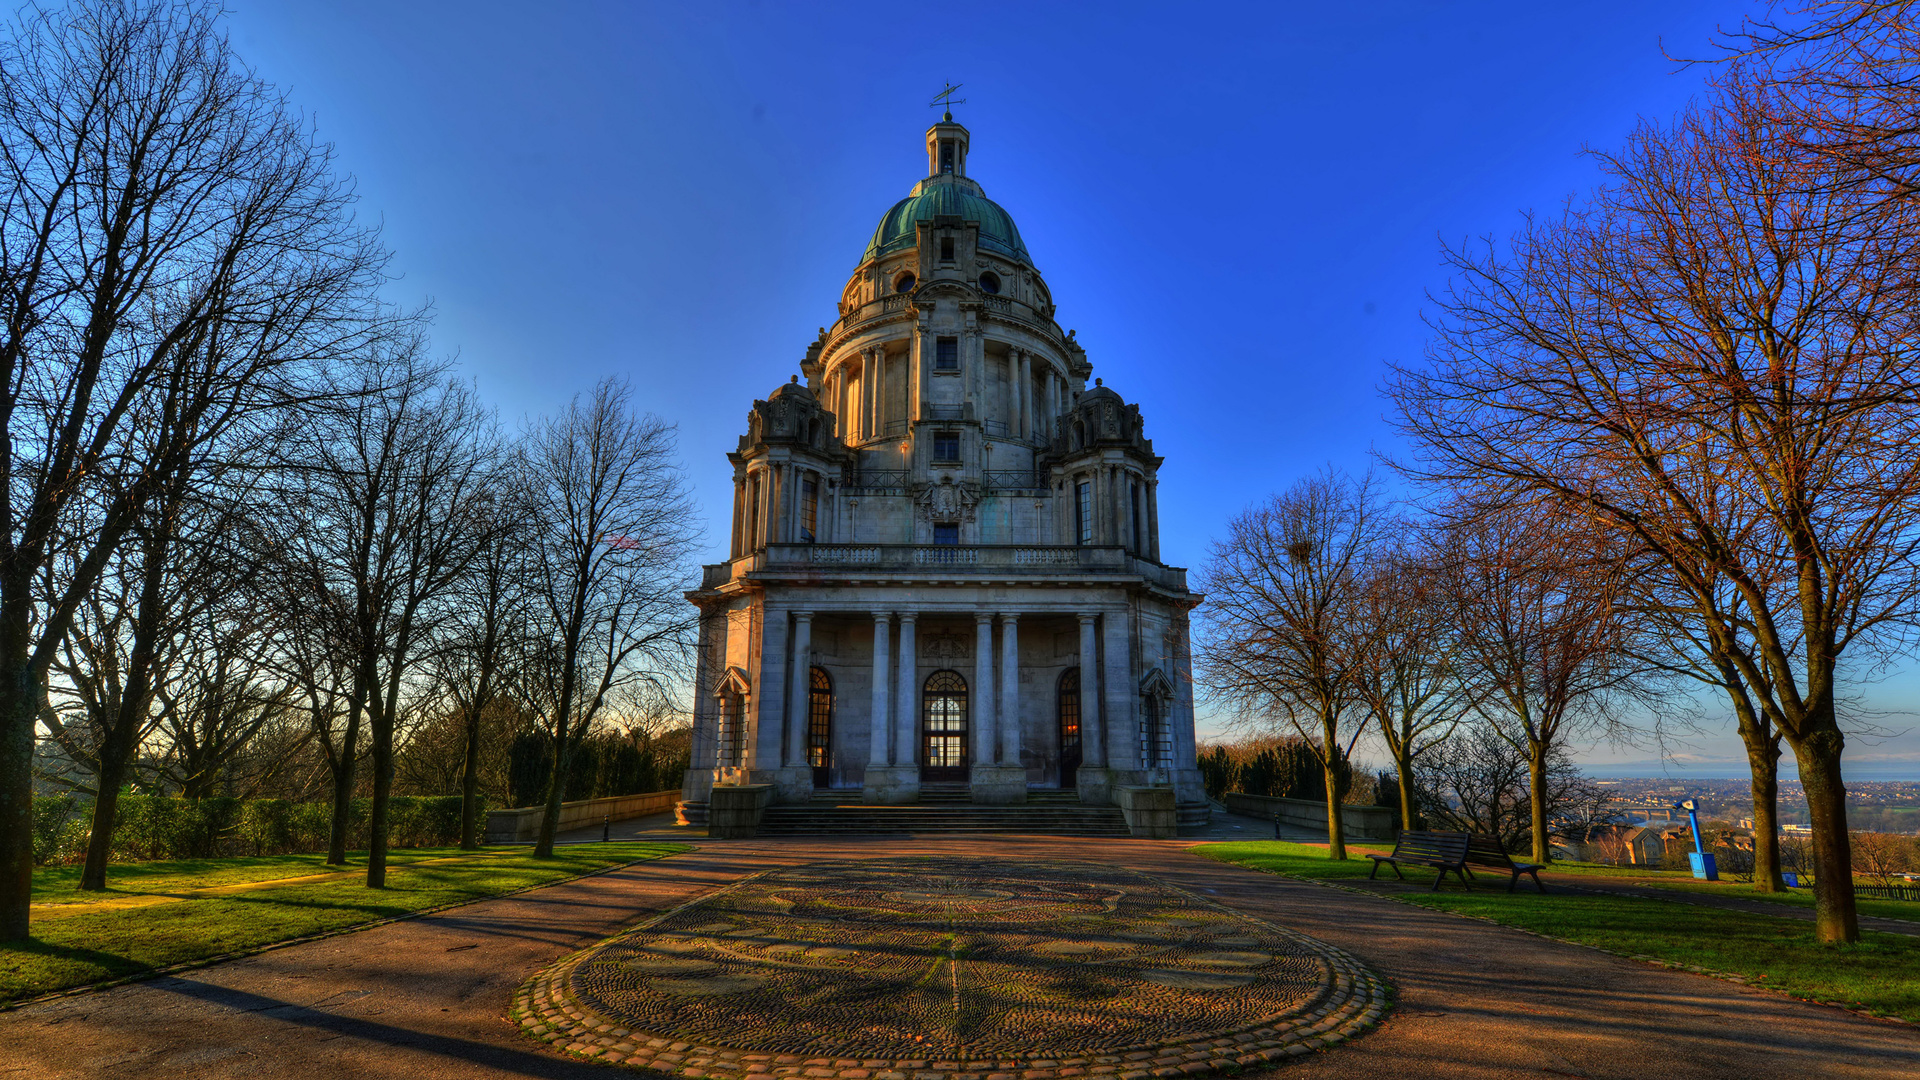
{"points": [[1239, 208]]}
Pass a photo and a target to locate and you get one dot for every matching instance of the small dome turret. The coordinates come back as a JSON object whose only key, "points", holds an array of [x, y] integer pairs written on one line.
{"points": [[947, 192]]}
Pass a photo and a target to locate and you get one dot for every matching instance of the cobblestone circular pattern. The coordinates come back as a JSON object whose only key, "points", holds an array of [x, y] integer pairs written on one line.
{"points": [[934, 968]]}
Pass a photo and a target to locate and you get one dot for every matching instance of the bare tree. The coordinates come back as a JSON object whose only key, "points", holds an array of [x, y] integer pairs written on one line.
{"points": [[1407, 675], [1535, 618], [154, 195], [1285, 633], [487, 629], [396, 502], [1847, 68], [1703, 643], [613, 531], [1730, 321]]}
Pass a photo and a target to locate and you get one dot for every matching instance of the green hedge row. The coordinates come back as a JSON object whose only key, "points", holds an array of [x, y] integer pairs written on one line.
{"points": [[159, 827]]}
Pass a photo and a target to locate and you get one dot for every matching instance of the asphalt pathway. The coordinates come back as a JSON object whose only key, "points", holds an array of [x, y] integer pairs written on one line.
{"points": [[427, 997]]}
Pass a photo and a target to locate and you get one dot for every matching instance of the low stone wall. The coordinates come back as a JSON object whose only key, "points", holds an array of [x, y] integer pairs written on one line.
{"points": [[733, 810], [1362, 822], [523, 823], [1149, 811]]}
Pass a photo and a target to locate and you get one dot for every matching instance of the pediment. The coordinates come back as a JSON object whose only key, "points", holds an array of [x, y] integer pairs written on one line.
{"points": [[733, 683], [1156, 684]]}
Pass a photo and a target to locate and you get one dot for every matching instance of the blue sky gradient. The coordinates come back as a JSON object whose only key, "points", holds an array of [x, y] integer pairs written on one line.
{"points": [[1239, 208]]}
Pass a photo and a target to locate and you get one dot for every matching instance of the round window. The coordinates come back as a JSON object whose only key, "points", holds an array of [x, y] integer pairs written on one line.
{"points": [[989, 282], [903, 283]]}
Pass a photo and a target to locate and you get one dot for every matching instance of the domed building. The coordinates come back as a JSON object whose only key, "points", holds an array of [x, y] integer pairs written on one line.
{"points": [[945, 568]]}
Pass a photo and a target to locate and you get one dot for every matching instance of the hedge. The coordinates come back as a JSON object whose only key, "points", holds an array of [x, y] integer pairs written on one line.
{"points": [[149, 827]]}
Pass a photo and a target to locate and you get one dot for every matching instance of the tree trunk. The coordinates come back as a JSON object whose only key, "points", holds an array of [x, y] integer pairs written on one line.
{"points": [[1403, 765], [1537, 801], [1763, 759], [1329, 760], [1835, 921], [470, 786], [20, 700], [556, 787], [382, 790], [343, 796], [106, 803]]}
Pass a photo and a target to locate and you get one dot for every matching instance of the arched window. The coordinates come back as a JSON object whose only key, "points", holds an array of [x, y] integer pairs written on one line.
{"points": [[1068, 712], [820, 725], [943, 726]]}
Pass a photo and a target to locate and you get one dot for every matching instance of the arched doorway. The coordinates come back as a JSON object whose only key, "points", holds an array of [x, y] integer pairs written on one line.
{"points": [[1068, 711], [943, 727], [820, 727]]}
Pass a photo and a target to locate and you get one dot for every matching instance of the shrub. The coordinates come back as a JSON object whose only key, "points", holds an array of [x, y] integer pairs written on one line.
{"points": [[52, 814]]}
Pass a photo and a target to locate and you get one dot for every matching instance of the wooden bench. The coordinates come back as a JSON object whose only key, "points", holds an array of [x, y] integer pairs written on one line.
{"points": [[1485, 851], [1442, 851]]}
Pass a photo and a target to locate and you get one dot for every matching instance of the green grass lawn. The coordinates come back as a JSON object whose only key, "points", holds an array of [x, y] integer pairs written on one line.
{"points": [[1886, 909], [149, 921], [1880, 974]]}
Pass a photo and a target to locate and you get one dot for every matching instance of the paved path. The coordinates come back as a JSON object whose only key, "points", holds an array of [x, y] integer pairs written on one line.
{"points": [[426, 997]]}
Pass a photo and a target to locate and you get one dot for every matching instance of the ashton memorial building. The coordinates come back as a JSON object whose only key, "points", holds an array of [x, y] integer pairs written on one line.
{"points": [[945, 572]]}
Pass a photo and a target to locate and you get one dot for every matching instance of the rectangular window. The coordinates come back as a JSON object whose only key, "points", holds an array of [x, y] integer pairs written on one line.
{"points": [[946, 249], [946, 354], [809, 507], [946, 446], [947, 534], [1083, 512]]}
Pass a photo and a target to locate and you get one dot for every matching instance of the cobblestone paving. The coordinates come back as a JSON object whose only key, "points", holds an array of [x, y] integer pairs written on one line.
{"points": [[945, 968]]}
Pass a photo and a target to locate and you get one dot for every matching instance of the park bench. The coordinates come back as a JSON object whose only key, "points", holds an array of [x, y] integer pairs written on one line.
{"points": [[1442, 851], [1485, 851]]}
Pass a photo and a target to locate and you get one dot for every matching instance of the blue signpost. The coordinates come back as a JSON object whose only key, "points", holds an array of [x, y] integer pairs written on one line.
{"points": [[1701, 858]]}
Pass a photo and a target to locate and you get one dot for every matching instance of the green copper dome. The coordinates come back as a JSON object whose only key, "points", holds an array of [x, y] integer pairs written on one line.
{"points": [[948, 196]]}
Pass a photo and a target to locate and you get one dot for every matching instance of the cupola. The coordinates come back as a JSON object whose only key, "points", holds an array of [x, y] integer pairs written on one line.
{"points": [[947, 148]]}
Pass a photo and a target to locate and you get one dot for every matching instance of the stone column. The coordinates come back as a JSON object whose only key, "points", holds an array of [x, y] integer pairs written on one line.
{"points": [[799, 693], [1120, 727], [1093, 744], [877, 753], [1026, 394], [1153, 518], [766, 725], [905, 729], [982, 696], [866, 394], [1010, 691], [740, 543], [918, 363]]}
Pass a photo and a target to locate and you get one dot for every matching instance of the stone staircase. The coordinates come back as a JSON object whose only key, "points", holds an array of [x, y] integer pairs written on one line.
{"points": [[943, 808]]}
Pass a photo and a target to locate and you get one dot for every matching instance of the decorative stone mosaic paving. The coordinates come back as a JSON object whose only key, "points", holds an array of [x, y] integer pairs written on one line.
{"points": [[970, 969]]}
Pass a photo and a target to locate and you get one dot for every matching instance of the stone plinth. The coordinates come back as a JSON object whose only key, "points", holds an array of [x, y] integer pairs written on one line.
{"points": [[733, 810], [891, 785], [1149, 811], [998, 785], [1095, 786]]}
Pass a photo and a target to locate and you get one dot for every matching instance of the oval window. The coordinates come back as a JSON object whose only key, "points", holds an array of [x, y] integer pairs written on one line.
{"points": [[903, 283], [989, 283]]}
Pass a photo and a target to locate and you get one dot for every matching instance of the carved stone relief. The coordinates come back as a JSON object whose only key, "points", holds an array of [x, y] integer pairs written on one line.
{"points": [[946, 645]]}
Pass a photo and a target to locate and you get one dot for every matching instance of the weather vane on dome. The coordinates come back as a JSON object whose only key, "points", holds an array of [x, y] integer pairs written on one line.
{"points": [[944, 99]]}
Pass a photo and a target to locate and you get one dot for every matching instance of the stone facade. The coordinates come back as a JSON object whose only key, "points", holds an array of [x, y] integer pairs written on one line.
{"points": [[945, 557]]}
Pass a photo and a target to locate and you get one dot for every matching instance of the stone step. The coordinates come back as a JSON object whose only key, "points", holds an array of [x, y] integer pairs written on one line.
{"points": [[1052, 812]]}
